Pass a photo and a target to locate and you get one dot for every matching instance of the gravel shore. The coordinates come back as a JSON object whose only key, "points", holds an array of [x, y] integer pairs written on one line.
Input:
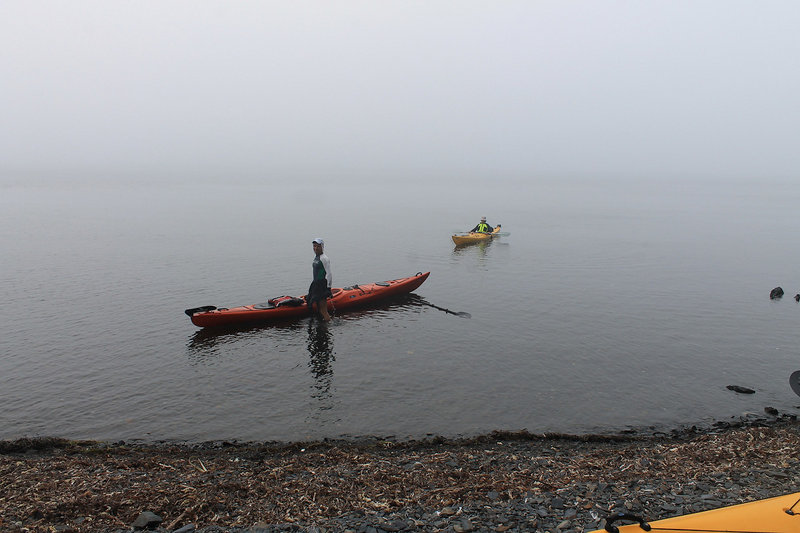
{"points": [[499, 482]]}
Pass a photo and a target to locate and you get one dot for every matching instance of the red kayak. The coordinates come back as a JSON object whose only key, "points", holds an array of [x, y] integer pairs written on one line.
{"points": [[289, 308]]}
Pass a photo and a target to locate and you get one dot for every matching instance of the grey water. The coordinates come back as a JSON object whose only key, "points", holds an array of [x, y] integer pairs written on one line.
{"points": [[611, 304]]}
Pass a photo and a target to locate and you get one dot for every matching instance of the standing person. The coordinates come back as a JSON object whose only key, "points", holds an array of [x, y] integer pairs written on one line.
{"points": [[320, 289], [482, 227]]}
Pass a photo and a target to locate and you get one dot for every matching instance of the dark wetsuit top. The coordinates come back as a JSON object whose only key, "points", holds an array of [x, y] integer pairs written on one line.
{"points": [[321, 285]]}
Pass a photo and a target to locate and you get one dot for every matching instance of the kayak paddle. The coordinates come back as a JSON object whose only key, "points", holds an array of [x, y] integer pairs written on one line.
{"points": [[462, 314]]}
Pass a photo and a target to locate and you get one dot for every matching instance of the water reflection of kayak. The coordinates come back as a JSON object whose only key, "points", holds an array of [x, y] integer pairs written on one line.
{"points": [[774, 515], [288, 308]]}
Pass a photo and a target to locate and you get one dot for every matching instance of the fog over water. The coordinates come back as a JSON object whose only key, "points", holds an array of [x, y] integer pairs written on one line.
{"points": [[188, 90], [610, 305]]}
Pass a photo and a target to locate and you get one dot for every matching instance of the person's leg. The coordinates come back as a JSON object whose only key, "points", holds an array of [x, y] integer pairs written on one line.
{"points": [[323, 309]]}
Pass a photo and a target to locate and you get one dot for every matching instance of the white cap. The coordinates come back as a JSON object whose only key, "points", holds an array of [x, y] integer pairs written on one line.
{"points": [[319, 241]]}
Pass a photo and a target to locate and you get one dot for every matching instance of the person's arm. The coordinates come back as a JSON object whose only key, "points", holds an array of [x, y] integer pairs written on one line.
{"points": [[474, 229], [328, 274], [491, 229]]}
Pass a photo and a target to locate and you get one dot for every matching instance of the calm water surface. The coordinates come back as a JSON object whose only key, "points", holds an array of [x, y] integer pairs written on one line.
{"points": [[610, 305]]}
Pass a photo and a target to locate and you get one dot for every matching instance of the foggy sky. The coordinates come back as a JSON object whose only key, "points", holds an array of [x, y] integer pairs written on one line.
{"points": [[463, 88]]}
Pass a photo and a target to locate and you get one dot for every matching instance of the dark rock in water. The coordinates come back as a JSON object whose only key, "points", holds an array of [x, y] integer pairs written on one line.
{"points": [[743, 390], [797, 297], [147, 520], [776, 293], [771, 411]]}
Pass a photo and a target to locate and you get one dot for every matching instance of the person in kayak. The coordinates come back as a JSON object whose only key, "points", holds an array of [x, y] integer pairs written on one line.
{"points": [[320, 289], [482, 227]]}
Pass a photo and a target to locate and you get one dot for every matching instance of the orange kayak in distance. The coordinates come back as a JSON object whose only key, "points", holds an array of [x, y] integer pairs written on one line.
{"points": [[289, 308]]}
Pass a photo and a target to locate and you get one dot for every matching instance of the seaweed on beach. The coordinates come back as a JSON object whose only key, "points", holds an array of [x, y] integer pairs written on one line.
{"points": [[522, 481]]}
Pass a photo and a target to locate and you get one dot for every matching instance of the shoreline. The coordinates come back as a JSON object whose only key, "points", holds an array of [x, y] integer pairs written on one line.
{"points": [[748, 419], [503, 481]]}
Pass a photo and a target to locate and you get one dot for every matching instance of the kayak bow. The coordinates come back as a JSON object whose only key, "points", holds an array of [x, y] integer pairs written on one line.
{"points": [[773, 515]]}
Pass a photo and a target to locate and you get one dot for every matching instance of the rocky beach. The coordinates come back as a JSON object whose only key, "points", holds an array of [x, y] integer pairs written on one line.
{"points": [[498, 482]]}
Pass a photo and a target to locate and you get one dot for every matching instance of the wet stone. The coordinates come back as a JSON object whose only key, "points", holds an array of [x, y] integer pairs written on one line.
{"points": [[146, 520], [397, 525], [463, 526]]}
